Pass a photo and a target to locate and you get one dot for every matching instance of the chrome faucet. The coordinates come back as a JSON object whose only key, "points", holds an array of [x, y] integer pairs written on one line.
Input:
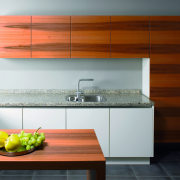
{"points": [[78, 88]]}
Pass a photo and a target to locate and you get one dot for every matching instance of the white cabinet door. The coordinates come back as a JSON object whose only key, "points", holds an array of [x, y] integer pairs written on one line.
{"points": [[91, 118], [47, 118], [131, 132], [10, 118]]}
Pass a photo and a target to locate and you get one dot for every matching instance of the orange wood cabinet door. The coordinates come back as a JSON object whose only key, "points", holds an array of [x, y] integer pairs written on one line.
{"points": [[165, 76], [129, 36], [15, 36], [90, 37], [50, 36]]}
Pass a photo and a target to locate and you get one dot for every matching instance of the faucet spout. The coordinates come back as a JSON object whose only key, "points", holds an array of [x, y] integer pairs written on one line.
{"points": [[78, 87]]}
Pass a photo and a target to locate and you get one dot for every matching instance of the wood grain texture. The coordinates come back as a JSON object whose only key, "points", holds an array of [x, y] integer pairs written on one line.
{"points": [[14, 19], [63, 149], [90, 37], [50, 36], [168, 136], [165, 68], [165, 91], [129, 36], [15, 36], [165, 76]]}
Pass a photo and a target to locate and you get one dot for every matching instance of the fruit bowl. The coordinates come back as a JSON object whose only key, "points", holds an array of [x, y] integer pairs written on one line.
{"points": [[3, 152], [20, 144]]}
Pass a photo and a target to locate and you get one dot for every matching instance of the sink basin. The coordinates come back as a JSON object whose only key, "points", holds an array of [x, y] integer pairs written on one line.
{"points": [[86, 98]]}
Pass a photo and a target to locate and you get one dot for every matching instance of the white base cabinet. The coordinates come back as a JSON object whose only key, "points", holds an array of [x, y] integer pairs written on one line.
{"points": [[47, 118], [10, 118], [131, 132], [122, 132], [91, 118]]}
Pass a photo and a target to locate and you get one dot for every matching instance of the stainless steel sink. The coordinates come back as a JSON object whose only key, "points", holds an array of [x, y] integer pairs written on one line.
{"points": [[86, 98]]}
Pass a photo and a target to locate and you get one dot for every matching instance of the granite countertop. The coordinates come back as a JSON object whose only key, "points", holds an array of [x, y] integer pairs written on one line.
{"points": [[57, 98]]}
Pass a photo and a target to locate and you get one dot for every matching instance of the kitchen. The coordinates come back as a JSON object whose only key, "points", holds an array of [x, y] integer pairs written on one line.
{"points": [[29, 78]]}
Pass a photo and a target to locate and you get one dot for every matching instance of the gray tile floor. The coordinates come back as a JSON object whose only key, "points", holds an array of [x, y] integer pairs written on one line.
{"points": [[164, 166]]}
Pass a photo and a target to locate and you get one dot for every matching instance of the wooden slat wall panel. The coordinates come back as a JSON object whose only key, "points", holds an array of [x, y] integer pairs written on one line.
{"points": [[90, 37], [50, 36], [15, 36], [129, 36], [168, 59], [165, 80], [169, 102], [165, 76], [167, 136]]}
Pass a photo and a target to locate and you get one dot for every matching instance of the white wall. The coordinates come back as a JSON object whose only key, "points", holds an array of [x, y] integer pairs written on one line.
{"points": [[72, 7], [63, 73]]}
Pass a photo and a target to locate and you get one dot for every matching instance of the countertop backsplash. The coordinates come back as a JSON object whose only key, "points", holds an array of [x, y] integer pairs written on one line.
{"points": [[65, 73]]}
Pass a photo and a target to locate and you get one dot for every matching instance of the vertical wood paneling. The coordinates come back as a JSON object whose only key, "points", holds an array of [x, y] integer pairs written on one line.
{"points": [[50, 36], [165, 76], [90, 36], [15, 36], [129, 36]]}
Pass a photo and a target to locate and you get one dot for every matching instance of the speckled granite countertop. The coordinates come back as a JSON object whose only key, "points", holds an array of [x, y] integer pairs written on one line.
{"points": [[57, 98]]}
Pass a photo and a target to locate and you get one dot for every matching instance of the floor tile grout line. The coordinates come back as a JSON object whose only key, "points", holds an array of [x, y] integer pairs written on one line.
{"points": [[76, 175], [37, 175], [133, 171], [164, 169], [153, 176], [49, 175], [120, 176], [171, 177]]}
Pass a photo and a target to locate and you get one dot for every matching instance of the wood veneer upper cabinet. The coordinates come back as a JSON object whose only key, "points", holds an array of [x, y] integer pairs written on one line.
{"points": [[90, 37], [15, 36], [129, 36], [165, 76], [50, 36]]}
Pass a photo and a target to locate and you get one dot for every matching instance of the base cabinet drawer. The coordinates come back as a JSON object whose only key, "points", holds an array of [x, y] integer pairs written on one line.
{"points": [[91, 118], [10, 118], [47, 118], [131, 132]]}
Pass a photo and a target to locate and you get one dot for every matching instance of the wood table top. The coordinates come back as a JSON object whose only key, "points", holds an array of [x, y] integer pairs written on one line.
{"points": [[62, 146]]}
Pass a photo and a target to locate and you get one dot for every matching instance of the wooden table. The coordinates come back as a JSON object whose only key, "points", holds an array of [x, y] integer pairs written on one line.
{"points": [[63, 149]]}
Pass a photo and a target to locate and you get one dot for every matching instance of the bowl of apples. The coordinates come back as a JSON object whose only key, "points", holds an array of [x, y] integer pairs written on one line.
{"points": [[20, 144]]}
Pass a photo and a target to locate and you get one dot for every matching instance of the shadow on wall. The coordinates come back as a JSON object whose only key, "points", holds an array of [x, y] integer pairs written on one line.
{"points": [[70, 64]]}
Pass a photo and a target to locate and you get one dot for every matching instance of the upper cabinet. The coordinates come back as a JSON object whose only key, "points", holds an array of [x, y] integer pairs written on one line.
{"points": [[90, 36], [74, 36], [129, 36], [15, 36], [50, 36]]}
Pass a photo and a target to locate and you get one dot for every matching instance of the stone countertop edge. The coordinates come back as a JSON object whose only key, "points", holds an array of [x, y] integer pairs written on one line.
{"points": [[57, 98]]}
